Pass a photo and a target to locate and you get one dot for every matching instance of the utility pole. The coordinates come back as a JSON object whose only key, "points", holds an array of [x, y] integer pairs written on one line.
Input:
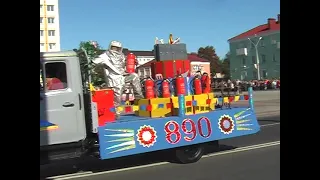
{"points": [[257, 55]]}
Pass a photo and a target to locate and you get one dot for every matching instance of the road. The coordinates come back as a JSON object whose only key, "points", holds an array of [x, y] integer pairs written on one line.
{"points": [[249, 157]]}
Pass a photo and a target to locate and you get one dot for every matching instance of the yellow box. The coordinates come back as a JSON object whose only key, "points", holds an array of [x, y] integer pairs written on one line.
{"points": [[189, 106], [204, 103], [211, 95], [156, 107]]}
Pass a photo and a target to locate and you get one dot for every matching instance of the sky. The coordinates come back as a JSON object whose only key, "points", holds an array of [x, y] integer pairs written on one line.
{"points": [[136, 23]]}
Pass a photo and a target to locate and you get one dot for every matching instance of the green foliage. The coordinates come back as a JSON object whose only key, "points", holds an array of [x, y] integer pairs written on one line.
{"points": [[93, 50], [209, 53], [225, 66]]}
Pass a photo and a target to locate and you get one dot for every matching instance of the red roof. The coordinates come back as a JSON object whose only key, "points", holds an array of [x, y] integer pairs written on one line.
{"points": [[192, 57], [272, 25], [147, 64]]}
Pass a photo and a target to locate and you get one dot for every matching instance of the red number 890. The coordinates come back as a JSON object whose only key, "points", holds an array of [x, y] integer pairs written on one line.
{"points": [[172, 128]]}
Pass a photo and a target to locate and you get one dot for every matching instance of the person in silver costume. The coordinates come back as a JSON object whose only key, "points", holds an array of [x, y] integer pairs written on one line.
{"points": [[115, 72]]}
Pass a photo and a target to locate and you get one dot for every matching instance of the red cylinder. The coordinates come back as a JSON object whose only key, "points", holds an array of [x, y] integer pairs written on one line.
{"points": [[180, 86], [197, 86], [165, 89], [149, 88], [131, 63], [205, 81]]}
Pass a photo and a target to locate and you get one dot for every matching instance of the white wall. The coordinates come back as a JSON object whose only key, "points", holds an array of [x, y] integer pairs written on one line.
{"points": [[144, 59]]}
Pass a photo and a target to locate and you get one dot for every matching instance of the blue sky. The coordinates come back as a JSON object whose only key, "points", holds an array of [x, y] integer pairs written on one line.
{"points": [[137, 22]]}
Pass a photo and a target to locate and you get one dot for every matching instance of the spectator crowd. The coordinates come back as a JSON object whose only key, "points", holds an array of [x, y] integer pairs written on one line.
{"points": [[238, 85]]}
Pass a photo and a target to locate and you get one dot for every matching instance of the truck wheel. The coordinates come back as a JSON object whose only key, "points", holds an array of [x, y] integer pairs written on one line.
{"points": [[189, 154]]}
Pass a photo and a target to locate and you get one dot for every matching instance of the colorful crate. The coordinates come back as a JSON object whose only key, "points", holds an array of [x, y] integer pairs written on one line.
{"points": [[188, 103], [203, 103], [230, 99], [127, 109], [157, 107]]}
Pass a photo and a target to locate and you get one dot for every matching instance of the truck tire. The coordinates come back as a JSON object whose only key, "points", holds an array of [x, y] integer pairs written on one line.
{"points": [[189, 154]]}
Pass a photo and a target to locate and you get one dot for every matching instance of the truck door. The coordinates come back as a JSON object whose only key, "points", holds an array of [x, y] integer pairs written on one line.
{"points": [[59, 104]]}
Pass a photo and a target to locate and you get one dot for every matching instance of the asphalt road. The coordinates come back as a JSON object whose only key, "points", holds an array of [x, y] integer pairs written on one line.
{"points": [[244, 158]]}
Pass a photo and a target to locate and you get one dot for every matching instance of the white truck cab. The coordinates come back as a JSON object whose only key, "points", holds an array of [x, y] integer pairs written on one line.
{"points": [[62, 118]]}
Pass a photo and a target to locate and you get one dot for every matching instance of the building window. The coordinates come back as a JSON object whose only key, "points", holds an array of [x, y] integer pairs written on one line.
{"points": [[41, 6], [249, 45], [41, 32], [52, 45], [51, 33], [50, 20], [263, 59], [41, 45], [253, 60], [141, 73], [41, 20], [148, 73], [264, 74], [262, 43], [50, 7], [243, 75], [254, 75], [274, 58], [244, 61]]}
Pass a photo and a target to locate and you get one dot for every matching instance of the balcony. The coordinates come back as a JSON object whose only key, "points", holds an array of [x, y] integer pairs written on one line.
{"points": [[278, 45], [242, 51]]}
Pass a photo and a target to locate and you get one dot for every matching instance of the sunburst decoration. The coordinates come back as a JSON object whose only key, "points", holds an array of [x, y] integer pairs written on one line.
{"points": [[123, 140], [243, 124], [146, 136], [240, 113], [226, 124]]}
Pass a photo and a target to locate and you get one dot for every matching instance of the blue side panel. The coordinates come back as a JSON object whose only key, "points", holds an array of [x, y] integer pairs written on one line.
{"points": [[133, 135]]}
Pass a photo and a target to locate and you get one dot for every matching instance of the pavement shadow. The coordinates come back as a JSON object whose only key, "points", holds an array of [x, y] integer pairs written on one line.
{"points": [[273, 119], [96, 165]]}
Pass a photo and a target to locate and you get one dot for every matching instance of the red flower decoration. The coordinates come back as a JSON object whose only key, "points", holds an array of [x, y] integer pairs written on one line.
{"points": [[146, 136], [226, 124]]}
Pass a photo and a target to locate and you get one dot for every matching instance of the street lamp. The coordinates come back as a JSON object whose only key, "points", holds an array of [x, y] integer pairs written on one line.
{"points": [[257, 56]]}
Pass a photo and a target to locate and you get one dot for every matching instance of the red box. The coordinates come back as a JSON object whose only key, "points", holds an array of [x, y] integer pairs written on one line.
{"points": [[104, 105], [170, 68]]}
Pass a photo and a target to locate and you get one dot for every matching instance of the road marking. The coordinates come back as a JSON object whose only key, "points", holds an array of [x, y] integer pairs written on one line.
{"points": [[236, 150], [271, 124], [267, 114], [246, 148]]}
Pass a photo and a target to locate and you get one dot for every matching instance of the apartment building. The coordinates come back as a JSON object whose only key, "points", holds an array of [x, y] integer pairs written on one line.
{"points": [[49, 26], [263, 40]]}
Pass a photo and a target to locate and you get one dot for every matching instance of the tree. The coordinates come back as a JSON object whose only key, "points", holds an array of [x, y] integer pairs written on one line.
{"points": [[209, 53], [93, 50], [225, 66]]}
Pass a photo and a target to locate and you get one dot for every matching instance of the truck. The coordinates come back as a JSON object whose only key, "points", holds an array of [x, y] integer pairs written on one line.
{"points": [[70, 127]]}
